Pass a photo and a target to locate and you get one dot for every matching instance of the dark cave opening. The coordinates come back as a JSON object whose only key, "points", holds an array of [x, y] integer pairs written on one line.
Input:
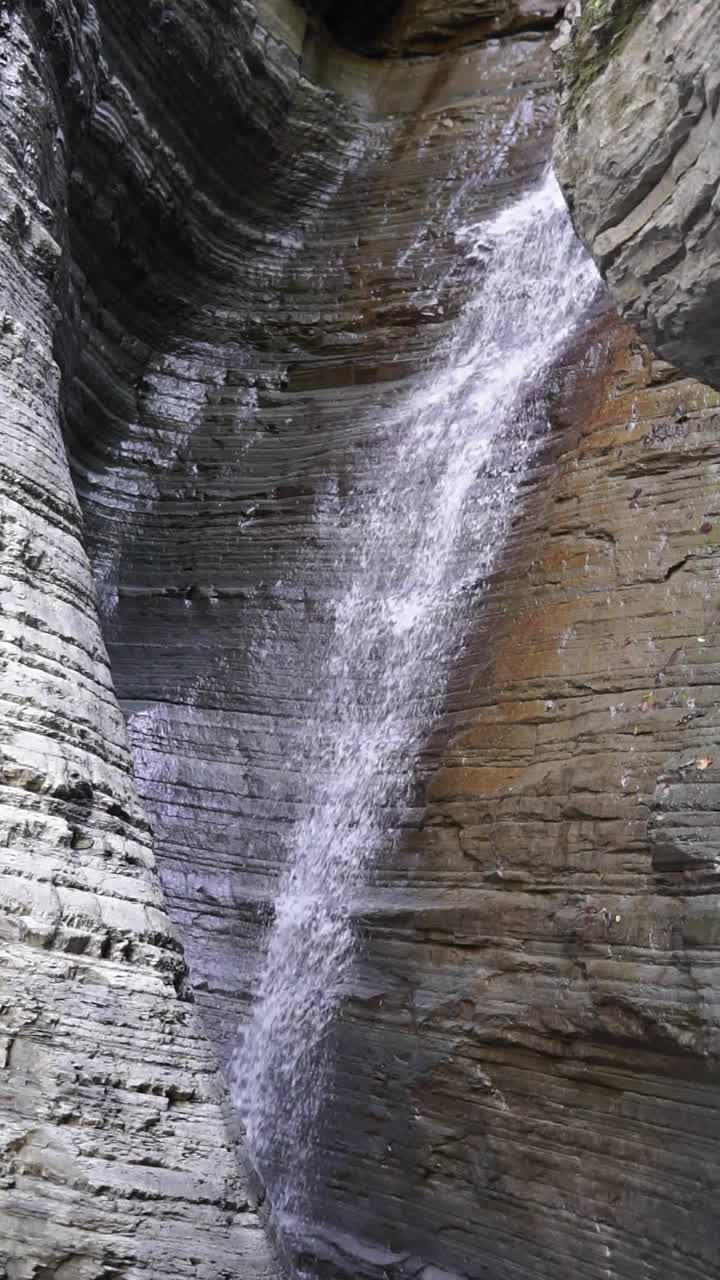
{"points": [[360, 25], [407, 28]]}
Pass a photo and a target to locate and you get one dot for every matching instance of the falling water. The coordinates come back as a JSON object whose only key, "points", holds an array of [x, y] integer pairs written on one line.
{"points": [[426, 525]]}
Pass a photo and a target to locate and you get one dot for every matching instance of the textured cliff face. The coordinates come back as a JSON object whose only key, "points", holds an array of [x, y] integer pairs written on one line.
{"points": [[258, 252], [638, 154], [517, 1097], [117, 1154], [164, 186], [531, 1048], [296, 361]]}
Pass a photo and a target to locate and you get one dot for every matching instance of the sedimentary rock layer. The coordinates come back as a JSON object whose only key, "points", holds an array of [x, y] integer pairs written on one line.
{"points": [[117, 1149], [531, 1047], [638, 154], [547, 1128], [258, 250]]}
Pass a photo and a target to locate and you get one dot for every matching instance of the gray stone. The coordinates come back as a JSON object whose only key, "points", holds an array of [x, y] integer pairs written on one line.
{"points": [[638, 155], [118, 1154]]}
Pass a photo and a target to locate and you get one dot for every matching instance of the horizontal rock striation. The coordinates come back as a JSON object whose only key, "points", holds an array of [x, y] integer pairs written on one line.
{"points": [[219, 572], [638, 155], [531, 1045], [255, 246], [118, 1154]]}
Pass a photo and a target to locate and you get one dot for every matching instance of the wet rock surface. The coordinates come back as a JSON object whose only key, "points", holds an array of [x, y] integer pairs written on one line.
{"points": [[256, 254], [532, 1044], [638, 154]]}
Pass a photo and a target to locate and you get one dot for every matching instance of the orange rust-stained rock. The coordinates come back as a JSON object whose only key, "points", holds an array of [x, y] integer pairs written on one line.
{"points": [[462, 781], [550, 990]]}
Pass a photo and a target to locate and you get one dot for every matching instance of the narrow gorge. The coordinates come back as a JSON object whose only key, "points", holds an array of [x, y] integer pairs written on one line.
{"points": [[359, 642]]}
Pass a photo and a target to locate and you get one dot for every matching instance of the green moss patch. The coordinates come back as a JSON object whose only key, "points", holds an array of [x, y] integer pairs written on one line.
{"points": [[604, 28]]}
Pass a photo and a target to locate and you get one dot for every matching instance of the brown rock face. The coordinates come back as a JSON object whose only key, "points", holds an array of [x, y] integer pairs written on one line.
{"points": [[242, 238], [532, 1043]]}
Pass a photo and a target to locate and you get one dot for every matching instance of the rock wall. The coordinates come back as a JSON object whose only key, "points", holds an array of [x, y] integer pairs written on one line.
{"points": [[209, 638], [227, 564], [256, 251], [531, 1047], [118, 1152], [638, 154]]}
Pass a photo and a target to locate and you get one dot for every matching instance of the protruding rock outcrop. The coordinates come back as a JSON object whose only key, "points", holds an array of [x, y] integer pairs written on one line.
{"points": [[638, 155]]}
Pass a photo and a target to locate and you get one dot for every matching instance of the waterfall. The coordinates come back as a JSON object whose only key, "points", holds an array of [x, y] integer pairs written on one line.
{"points": [[421, 528]]}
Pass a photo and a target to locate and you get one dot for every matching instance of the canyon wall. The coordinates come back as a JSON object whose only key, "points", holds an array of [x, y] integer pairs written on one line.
{"points": [[638, 155], [119, 1153], [531, 1046], [231, 243]]}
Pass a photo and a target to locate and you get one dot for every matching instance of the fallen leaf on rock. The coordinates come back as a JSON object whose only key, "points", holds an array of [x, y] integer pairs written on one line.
{"points": [[706, 527], [703, 762]]}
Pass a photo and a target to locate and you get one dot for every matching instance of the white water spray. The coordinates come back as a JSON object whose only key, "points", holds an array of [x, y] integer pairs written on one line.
{"points": [[427, 524]]}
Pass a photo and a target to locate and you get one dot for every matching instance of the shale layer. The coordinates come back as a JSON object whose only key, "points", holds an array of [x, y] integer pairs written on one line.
{"points": [[229, 239]]}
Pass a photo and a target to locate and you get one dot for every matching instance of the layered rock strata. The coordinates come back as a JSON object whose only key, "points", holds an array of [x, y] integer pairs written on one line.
{"points": [[212, 662], [531, 1046], [638, 154], [209, 637], [259, 251], [118, 1153]]}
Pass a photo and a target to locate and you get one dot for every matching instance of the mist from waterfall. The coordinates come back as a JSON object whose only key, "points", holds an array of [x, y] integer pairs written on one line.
{"points": [[417, 540]]}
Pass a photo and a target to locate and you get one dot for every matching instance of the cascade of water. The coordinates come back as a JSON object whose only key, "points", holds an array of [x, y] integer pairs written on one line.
{"points": [[427, 521]]}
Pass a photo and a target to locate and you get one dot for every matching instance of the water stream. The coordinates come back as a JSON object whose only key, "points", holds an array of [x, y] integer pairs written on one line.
{"points": [[418, 537]]}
